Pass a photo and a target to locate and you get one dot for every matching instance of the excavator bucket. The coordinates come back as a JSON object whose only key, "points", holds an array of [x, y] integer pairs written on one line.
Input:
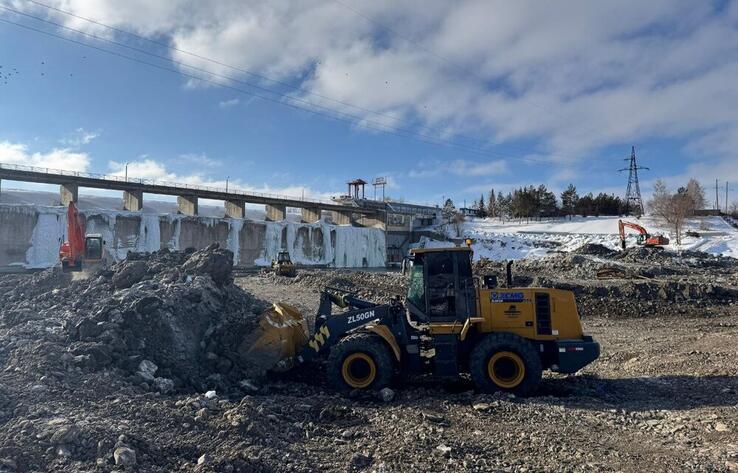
{"points": [[281, 333]]}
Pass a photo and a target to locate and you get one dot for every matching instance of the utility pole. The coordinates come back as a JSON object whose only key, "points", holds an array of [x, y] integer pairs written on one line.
{"points": [[633, 193], [717, 197], [126, 172], [227, 177], [726, 197]]}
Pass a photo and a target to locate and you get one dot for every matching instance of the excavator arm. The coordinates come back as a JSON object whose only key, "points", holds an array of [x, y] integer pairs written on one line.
{"points": [[72, 250], [623, 224]]}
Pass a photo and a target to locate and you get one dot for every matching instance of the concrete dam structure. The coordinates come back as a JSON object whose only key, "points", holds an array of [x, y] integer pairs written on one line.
{"points": [[30, 236]]}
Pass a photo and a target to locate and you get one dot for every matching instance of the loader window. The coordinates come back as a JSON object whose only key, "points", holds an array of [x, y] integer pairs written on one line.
{"points": [[416, 287], [441, 286], [93, 248]]}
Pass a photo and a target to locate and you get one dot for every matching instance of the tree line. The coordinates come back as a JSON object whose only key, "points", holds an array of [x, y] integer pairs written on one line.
{"points": [[533, 202]]}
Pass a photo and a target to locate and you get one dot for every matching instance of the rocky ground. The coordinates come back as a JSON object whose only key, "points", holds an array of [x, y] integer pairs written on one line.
{"points": [[86, 388]]}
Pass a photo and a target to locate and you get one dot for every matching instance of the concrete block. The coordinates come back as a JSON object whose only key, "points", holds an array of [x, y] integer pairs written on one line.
{"points": [[341, 217], [374, 221], [311, 214], [235, 209], [187, 204], [275, 213], [69, 193], [133, 201]]}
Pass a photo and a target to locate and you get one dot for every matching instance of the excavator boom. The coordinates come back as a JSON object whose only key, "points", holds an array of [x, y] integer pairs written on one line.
{"points": [[644, 238], [72, 250], [79, 247]]}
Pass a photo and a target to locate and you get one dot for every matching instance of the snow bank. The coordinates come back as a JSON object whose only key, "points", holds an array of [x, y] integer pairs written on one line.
{"points": [[516, 240]]}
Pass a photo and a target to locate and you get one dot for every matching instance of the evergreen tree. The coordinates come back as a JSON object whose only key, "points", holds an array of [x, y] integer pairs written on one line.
{"points": [[448, 210], [569, 199], [481, 209], [492, 204], [585, 205]]}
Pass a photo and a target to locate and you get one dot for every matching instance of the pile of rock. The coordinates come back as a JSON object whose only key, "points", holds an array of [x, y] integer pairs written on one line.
{"points": [[170, 320]]}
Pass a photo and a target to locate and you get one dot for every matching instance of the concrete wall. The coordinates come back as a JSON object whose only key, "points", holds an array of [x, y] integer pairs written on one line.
{"points": [[30, 236]]}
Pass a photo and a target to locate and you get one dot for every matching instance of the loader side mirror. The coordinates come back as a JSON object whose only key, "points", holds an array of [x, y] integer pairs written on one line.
{"points": [[489, 281]]}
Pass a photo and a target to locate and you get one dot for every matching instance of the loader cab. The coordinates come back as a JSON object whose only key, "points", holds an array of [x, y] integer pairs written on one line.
{"points": [[441, 286], [93, 247]]}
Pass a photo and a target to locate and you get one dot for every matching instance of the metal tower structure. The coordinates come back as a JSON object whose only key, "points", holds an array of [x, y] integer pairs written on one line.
{"points": [[633, 199]]}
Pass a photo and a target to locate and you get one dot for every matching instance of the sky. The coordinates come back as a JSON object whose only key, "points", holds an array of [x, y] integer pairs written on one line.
{"points": [[444, 99]]}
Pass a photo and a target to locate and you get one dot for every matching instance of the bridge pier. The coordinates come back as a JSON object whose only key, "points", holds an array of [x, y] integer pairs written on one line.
{"points": [[187, 204], [235, 209], [69, 193], [133, 200], [341, 217], [275, 212], [310, 214]]}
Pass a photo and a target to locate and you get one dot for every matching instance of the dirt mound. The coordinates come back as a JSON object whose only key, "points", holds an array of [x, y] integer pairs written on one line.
{"points": [[168, 320], [595, 249]]}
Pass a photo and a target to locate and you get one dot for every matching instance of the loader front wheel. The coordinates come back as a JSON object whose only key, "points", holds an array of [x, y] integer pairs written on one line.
{"points": [[505, 362], [360, 361]]}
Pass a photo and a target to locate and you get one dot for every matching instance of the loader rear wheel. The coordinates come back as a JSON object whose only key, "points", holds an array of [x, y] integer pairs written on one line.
{"points": [[360, 361], [505, 362]]}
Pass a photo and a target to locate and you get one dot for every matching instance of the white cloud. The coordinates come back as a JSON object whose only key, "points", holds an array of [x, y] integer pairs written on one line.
{"points": [[201, 160], [57, 158], [229, 103], [80, 137], [459, 167], [572, 75]]}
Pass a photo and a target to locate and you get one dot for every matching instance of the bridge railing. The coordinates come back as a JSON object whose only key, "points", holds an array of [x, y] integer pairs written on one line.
{"points": [[152, 182]]}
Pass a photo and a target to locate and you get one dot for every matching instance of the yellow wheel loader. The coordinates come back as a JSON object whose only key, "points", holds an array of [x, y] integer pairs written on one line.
{"points": [[449, 324], [283, 265]]}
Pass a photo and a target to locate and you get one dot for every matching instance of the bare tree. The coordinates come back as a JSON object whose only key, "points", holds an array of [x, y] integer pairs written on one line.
{"points": [[458, 220], [671, 208], [697, 193]]}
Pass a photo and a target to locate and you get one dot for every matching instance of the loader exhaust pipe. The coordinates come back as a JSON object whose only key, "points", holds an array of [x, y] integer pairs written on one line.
{"points": [[508, 272]]}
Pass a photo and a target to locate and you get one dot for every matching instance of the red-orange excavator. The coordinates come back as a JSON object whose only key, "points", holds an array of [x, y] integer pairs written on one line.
{"points": [[644, 238], [80, 250]]}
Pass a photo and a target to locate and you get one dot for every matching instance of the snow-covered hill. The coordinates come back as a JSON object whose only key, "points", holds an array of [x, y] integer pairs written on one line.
{"points": [[513, 240]]}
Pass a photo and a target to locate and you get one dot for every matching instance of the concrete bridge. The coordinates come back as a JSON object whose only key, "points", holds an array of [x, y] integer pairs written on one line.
{"points": [[235, 200]]}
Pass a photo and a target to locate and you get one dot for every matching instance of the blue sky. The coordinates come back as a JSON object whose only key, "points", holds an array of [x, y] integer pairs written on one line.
{"points": [[541, 93]]}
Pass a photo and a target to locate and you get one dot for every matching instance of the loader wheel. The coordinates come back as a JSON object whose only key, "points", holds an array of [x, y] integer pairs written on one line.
{"points": [[505, 362], [360, 361]]}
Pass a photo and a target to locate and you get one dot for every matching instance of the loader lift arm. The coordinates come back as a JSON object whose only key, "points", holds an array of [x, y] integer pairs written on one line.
{"points": [[331, 328]]}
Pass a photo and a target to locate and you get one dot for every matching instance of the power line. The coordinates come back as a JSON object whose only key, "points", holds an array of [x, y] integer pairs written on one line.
{"points": [[276, 81], [338, 116], [223, 64]]}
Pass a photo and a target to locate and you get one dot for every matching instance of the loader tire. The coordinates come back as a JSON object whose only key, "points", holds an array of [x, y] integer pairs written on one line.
{"points": [[360, 361], [505, 362]]}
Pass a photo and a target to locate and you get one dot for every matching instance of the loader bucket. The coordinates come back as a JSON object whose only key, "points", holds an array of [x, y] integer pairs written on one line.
{"points": [[281, 333]]}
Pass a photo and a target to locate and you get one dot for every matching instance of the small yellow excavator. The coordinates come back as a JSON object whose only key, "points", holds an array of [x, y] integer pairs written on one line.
{"points": [[283, 265], [450, 323]]}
